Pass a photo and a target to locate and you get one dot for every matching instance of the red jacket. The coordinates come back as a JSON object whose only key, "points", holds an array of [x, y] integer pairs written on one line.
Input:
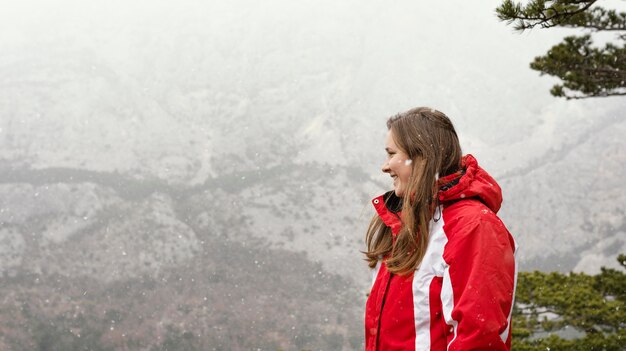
{"points": [[461, 296]]}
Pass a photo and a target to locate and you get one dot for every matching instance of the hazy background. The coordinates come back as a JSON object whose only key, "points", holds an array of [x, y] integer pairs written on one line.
{"points": [[197, 174]]}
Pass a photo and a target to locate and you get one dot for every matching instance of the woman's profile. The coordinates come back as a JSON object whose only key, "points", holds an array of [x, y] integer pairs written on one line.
{"points": [[443, 262]]}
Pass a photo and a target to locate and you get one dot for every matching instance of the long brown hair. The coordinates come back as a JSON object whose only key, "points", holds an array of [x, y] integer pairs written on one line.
{"points": [[428, 138]]}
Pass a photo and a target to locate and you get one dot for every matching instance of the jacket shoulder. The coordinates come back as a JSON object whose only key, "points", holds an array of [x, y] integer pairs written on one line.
{"points": [[467, 211], [473, 220]]}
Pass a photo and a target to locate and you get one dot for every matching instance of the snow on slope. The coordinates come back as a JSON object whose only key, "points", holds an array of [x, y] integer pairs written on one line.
{"points": [[191, 94], [567, 204]]}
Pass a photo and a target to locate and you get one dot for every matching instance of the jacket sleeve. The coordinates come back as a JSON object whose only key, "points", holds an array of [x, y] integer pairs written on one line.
{"points": [[479, 285]]}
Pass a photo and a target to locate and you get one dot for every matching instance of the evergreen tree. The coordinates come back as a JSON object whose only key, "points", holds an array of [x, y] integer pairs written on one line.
{"points": [[574, 311], [585, 71]]}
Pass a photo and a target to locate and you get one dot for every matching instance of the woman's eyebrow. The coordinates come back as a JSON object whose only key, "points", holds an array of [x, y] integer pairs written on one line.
{"points": [[388, 149]]}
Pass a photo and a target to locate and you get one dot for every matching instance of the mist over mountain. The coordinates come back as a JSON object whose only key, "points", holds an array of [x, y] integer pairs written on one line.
{"points": [[198, 175]]}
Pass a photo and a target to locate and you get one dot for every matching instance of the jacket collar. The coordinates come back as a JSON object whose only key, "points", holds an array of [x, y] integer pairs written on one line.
{"points": [[388, 207]]}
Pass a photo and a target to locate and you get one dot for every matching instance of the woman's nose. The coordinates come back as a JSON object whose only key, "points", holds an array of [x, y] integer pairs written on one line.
{"points": [[385, 167]]}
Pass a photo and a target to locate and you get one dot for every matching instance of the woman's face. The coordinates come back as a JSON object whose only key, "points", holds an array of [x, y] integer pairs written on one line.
{"points": [[398, 165]]}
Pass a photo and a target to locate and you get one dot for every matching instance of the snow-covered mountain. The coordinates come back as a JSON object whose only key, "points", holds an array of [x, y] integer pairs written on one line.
{"points": [[200, 174]]}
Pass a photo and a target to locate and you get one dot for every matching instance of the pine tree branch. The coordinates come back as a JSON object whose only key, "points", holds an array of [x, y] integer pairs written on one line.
{"points": [[574, 97], [597, 28], [562, 15], [598, 19], [536, 14], [590, 71]]}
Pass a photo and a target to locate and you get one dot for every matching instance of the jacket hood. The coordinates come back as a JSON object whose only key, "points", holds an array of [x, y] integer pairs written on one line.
{"points": [[471, 182]]}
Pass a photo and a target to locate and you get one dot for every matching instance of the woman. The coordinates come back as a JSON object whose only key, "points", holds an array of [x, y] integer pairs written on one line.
{"points": [[444, 267]]}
